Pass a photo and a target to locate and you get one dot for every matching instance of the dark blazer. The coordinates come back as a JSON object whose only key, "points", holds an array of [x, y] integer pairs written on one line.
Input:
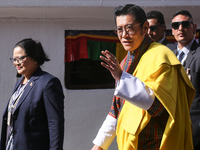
{"points": [[169, 44], [193, 63], [38, 120]]}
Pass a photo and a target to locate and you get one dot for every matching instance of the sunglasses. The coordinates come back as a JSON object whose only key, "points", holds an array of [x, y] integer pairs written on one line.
{"points": [[185, 24], [153, 28]]}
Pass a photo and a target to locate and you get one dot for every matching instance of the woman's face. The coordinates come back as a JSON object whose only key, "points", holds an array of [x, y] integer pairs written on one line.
{"points": [[25, 65]]}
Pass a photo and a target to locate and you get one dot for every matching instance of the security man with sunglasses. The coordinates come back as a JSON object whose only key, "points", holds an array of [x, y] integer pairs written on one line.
{"points": [[157, 28], [188, 52]]}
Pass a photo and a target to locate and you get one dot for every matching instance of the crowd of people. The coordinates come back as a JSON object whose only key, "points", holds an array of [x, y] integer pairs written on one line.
{"points": [[156, 102]]}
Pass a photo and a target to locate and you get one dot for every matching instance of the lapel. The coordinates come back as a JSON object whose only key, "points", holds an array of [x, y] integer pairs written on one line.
{"points": [[175, 51], [29, 86], [190, 55], [15, 88], [27, 89]]}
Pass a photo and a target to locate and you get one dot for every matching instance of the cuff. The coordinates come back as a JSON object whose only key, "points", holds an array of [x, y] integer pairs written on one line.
{"points": [[106, 133]]}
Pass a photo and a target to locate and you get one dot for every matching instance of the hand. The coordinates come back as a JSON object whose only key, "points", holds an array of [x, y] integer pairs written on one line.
{"points": [[96, 147], [111, 64]]}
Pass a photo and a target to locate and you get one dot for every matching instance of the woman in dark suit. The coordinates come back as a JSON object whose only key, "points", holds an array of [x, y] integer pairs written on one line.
{"points": [[34, 116]]}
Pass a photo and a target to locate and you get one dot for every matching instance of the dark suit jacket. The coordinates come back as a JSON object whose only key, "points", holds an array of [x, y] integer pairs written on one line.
{"points": [[193, 63], [170, 45], [38, 120]]}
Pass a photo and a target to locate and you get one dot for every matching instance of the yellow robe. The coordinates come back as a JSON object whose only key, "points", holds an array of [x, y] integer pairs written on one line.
{"points": [[161, 71]]}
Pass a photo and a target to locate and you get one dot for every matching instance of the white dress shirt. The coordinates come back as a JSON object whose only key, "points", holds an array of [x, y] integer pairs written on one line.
{"points": [[186, 50]]}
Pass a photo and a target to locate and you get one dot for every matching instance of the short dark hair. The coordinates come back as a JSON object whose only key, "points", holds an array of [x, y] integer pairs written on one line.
{"points": [[183, 12], [131, 9], [156, 15], [34, 50]]}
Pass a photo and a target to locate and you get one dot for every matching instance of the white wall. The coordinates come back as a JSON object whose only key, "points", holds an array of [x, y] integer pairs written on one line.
{"points": [[85, 110], [146, 3]]}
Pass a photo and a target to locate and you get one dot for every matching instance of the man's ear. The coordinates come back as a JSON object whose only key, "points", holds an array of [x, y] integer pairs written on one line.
{"points": [[145, 27], [173, 32], [164, 27], [194, 28], [35, 62]]}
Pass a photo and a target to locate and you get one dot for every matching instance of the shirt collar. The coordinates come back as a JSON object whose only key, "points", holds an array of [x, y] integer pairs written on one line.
{"points": [[187, 48], [160, 41]]}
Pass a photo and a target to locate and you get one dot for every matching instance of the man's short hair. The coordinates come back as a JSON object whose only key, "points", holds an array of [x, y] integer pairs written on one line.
{"points": [[131, 9], [183, 12], [156, 15]]}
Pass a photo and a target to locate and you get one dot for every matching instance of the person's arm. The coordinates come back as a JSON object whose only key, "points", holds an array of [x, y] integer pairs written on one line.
{"points": [[96, 147], [106, 134], [137, 93], [54, 106], [134, 91], [103, 139]]}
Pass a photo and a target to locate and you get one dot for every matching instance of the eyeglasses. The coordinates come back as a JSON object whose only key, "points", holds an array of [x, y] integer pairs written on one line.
{"points": [[185, 24], [128, 29], [18, 59], [153, 28]]}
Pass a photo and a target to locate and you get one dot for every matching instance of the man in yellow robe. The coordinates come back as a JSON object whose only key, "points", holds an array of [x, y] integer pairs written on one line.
{"points": [[153, 94], [162, 73]]}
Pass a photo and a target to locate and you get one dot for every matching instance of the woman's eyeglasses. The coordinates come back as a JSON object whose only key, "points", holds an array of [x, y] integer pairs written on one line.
{"points": [[185, 24], [18, 59]]}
